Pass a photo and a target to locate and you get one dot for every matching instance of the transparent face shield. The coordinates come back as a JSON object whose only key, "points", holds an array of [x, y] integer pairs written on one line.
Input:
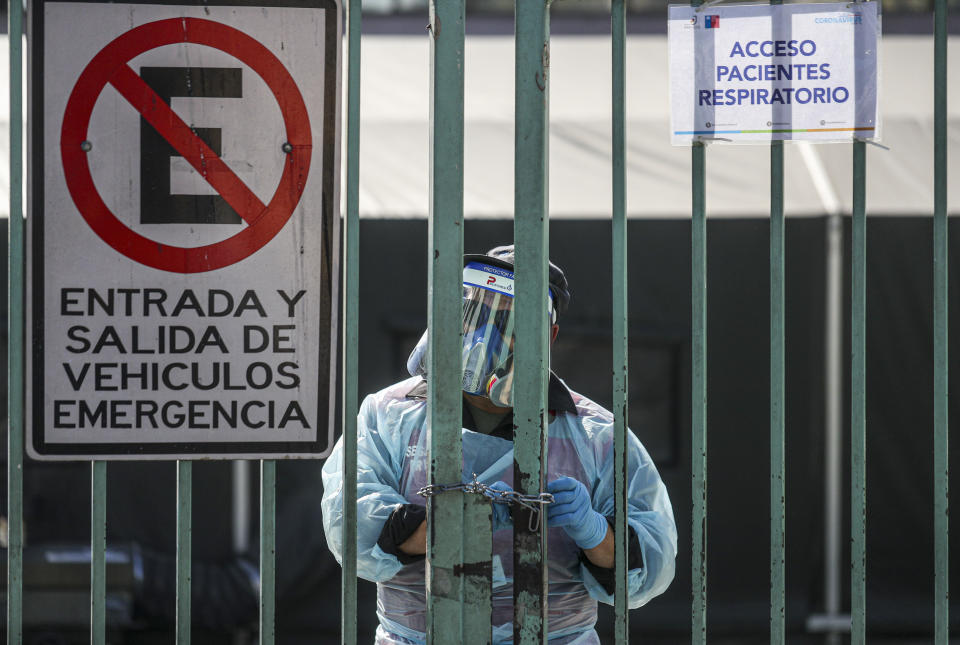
{"points": [[487, 350], [488, 322]]}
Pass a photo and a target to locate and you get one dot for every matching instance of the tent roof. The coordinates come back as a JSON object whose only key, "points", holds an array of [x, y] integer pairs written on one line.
{"points": [[394, 161], [394, 158]]}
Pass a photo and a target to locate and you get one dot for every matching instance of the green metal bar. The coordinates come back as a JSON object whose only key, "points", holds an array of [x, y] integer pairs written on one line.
{"points": [[184, 548], [858, 425], [478, 576], [941, 430], [268, 545], [351, 304], [618, 29], [531, 234], [15, 336], [445, 584], [777, 391], [699, 394], [777, 394], [98, 546]]}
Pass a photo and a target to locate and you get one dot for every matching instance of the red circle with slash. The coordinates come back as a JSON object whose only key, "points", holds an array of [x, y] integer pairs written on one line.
{"points": [[110, 66]]}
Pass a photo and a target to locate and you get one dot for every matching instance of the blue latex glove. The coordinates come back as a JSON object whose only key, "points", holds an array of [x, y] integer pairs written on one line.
{"points": [[501, 512], [572, 510]]}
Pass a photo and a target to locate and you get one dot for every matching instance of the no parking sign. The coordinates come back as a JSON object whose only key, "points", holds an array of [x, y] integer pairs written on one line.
{"points": [[183, 232]]}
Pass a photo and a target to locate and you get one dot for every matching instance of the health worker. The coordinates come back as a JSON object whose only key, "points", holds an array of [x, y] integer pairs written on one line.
{"points": [[392, 466]]}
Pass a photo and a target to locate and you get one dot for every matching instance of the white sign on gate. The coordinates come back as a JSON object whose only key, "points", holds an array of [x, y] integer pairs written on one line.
{"points": [[755, 73], [183, 231]]}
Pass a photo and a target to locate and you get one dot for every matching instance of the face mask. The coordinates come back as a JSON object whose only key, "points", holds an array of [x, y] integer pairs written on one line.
{"points": [[483, 352], [500, 384]]}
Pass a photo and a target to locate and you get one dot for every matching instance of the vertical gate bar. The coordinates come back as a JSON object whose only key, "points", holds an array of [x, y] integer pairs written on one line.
{"points": [[858, 427], [15, 335], [445, 607], [351, 302], [184, 548], [618, 28], [240, 482], [777, 439], [699, 394], [478, 572], [268, 541], [940, 313], [98, 546], [777, 392], [531, 233], [833, 397]]}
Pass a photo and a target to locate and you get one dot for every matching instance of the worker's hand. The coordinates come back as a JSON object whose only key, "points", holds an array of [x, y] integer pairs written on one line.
{"points": [[501, 512], [572, 510]]}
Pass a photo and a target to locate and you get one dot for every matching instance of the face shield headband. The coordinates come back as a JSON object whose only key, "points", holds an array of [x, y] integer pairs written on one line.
{"points": [[488, 322]]}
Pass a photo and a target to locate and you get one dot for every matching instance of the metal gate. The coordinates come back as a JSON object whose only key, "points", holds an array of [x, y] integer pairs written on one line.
{"points": [[458, 595]]}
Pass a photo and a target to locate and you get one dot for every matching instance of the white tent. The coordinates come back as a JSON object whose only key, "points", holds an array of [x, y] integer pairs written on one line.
{"points": [[394, 163], [394, 129]]}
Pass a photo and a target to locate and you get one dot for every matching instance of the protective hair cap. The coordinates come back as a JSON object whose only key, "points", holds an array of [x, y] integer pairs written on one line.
{"points": [[505, 256]]}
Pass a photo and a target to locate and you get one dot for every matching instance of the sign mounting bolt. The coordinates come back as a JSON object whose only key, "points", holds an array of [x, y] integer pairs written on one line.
{"points": [[86, 146], [287, 147]]}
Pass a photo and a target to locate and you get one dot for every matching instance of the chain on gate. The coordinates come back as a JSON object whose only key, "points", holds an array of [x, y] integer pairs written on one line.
{"points": [[533, 503]]}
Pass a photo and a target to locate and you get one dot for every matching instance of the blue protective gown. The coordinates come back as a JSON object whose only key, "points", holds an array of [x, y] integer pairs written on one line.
{"points": [[392, 466]]}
